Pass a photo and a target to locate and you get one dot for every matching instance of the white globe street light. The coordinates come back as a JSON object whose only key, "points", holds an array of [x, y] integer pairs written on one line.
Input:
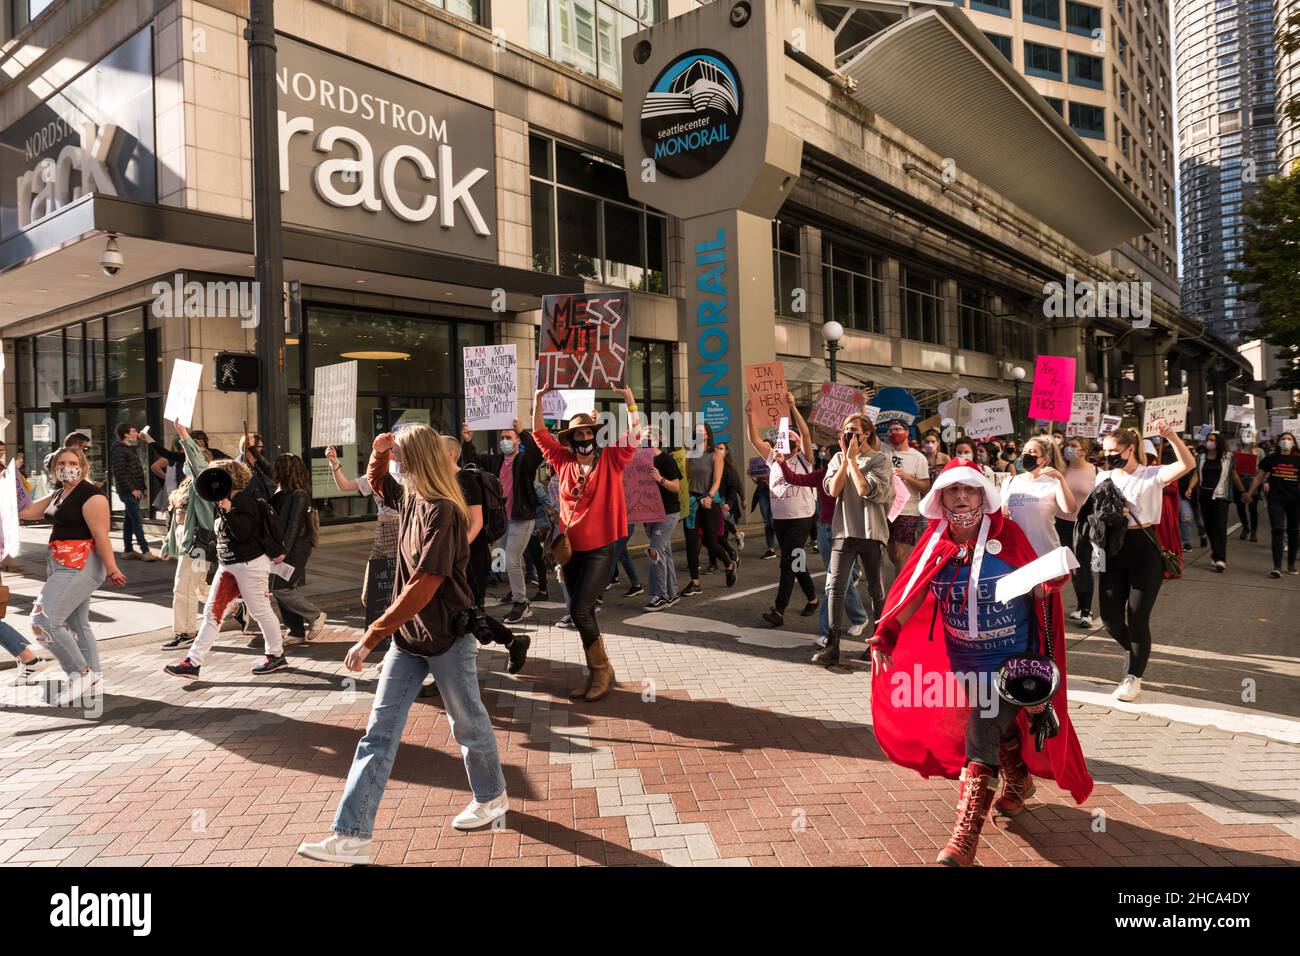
{"points": [[832, 332], [1018, 376]]}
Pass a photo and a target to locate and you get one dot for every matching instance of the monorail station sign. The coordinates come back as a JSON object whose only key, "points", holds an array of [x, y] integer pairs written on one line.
{"points": [[366, 153], [704, 139]]}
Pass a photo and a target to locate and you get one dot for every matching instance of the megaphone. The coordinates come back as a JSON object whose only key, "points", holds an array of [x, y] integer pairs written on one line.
{"points": [[213, 484], [1029, 680]]}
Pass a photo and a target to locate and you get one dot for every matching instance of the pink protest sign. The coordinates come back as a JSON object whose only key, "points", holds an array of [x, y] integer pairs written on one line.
{"points": [[644, 503], [836, 403], [1053, 388]]}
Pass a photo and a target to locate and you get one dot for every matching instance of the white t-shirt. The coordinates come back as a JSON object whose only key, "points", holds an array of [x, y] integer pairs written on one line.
{"points": [[915, 465], [1033, 506], [364, 488], [1143, 490], [787, 500]]}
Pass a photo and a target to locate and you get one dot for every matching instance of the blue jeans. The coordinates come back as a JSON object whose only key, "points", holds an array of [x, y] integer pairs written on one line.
{"points": [[399, 683], [1187, 522], [131, 522], [11, 640], [663, 570], [769, 530], [62, 613], [857, 614], [621, 556]]}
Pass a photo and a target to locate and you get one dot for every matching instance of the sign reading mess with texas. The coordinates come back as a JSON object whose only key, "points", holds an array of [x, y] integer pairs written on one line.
{"points": [[583, 340]]}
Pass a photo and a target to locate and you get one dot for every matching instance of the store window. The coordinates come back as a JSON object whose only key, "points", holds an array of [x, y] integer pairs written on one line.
{"points": [[974, 320], [922, 307], [588, 34], [786, 261], [587, 227], [650, 374], [408, 370], [852, 287]]}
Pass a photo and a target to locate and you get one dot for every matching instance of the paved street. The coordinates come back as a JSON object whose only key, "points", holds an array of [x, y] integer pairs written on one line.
{"points": [[721, 747]]}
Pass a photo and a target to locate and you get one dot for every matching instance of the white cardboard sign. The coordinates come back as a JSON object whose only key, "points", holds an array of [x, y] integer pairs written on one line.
{"points": [[183, 392], [334, 405]]}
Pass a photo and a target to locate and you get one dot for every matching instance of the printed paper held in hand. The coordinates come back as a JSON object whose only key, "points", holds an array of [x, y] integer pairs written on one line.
{"points": [[782, 443], [283, 569], [1022, 580]]}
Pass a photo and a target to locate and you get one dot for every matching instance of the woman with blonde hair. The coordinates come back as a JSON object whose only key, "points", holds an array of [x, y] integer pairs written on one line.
{"points": [[80, 558], [1036, 497], [429, 620]]}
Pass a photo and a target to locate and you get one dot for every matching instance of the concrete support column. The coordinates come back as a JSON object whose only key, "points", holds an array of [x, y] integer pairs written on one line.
{"points": [[810, 278], [1067, 338], [1149, 356], [949, 330], [1198, 401], [892, 309]]}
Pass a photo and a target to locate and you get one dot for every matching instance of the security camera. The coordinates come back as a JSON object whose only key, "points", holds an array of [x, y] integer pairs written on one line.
{"points": [[111, 260]]}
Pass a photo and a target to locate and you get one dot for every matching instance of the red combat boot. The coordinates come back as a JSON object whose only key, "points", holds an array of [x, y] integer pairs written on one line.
{"points": [[1017, 784], [972, 811]]}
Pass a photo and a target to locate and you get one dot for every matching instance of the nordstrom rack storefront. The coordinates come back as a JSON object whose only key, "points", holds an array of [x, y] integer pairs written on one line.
{"points": [[443, 167]]}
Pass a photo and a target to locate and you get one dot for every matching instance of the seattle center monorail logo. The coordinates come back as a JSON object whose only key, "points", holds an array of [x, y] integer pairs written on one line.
{"points": [[692, 113]]}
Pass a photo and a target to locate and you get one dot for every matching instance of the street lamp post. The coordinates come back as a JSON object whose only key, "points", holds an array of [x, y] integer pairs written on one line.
{"points": [[832, 332], [1018, 376], [268, 241]]}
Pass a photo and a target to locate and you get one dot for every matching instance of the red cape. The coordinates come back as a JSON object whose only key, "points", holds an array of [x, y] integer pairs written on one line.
{"points": [[931, 739]]}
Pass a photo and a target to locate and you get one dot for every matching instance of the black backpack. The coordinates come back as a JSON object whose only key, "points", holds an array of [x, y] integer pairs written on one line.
{"points": [[495, 519]]}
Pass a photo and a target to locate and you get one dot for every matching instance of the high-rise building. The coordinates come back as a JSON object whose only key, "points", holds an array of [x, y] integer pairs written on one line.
{"points": [[1105, 67], [1226, 145], [1286, 17]]}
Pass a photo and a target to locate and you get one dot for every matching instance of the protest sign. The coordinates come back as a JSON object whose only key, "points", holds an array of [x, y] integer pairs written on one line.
{"points": [[957, 409], [1203, 432], [765, 389], [836, 403], [1053, 388], [872, 412], [563, 405], [183, 391], [1108, 424], [1241, 414], [782, 443], [1085, 415], [644, 503], [583, 340], [989, 419], [334, 405], [9, 526], [757, 468], [1172, 409], [1291, 425], [491, 386]]}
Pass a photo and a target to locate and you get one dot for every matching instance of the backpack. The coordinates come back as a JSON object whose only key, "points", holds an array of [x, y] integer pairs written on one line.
{"points": [[495, 519], [270, 522]]}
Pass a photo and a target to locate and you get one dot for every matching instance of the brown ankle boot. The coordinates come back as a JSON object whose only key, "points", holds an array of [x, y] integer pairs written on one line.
{"points": [[1017, 784], [602, 672], [972, 811]]}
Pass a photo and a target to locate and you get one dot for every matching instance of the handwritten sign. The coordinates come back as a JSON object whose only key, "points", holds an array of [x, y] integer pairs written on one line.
{"points": [[563, 405], [1108, 424], [758, 468], [1203, 432], [183, 391], [872, 412], [491, 386], [836, 403], [1172, 409], [1053, 387], [1085, 415], [988, 419], [644, 503], [1242, 414], [583, 340], [765, 388], [334, 405], [1291, 425]]}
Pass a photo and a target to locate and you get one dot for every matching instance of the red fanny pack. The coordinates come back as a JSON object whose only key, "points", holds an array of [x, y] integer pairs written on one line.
{"points": [[72, 554]]}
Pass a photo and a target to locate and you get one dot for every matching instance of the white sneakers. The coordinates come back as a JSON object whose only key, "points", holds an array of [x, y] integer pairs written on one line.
{"points": [[338, 849], [1076, 615], [481, 814], [855, 630], [27, 672], [1129, 688], [1220, 565]]}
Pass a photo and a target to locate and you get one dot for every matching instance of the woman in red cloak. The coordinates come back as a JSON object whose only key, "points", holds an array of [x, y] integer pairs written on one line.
{"points": [[957, 642]]}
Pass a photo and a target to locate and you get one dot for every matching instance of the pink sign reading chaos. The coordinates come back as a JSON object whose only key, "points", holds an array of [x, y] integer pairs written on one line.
{"points": [[644, 503], [1053, 388]]}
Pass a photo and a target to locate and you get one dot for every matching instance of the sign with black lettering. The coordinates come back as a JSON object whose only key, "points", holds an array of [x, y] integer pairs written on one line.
{"points": [[583, 341]]}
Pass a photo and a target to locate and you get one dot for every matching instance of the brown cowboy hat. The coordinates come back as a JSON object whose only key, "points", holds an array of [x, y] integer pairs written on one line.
{"points": [[580, 420]]}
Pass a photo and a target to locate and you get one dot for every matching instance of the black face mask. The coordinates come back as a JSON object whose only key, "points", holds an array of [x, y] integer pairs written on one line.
{"points": [[1009, 454], [1114, 461], [583, 448], [1029, 461]]}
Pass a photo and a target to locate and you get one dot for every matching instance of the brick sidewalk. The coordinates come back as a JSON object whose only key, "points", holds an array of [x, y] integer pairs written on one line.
{"points": [[722, 748]]}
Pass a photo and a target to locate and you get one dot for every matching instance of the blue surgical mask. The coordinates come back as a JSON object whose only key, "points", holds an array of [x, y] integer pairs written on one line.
{"points": [[506, 445], [1071, 453]]}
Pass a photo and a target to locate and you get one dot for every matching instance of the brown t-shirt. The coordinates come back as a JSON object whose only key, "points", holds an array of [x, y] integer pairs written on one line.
{"points": [[433, 538]]}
